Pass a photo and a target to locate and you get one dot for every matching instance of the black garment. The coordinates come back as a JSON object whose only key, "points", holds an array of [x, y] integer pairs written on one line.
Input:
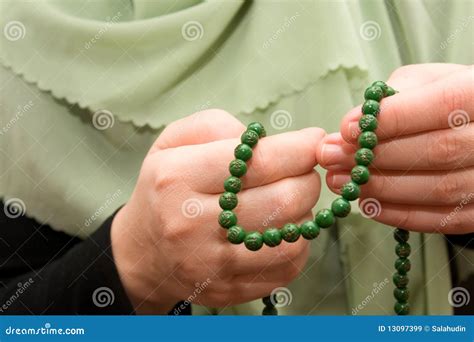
{"points": [[43, 271]]}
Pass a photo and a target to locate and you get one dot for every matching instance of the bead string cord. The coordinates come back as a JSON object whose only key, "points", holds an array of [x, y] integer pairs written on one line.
{"points": [[324, 218]]}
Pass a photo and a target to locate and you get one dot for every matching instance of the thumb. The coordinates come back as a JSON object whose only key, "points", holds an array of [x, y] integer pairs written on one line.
{"points": [[199, 128]]}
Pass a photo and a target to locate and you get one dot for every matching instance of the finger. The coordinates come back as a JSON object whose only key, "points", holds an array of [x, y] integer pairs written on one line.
{"points": [[276, 157], [430, 219], [275, 204], [199, 128], [445, 149], [437, 105], [424, 188], [283, 273], [417, 75]]}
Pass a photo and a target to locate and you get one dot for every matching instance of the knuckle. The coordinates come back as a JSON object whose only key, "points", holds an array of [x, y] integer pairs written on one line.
{"points": [[448, 189], [442, 150], [454, 98]]}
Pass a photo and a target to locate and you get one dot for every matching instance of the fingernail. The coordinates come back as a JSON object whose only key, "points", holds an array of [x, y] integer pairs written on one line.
{"points": [[354, 129], [338, 180], [331, 154]]}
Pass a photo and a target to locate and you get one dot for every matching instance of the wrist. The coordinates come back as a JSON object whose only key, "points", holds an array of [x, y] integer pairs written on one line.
{"points": [[145, 287]]}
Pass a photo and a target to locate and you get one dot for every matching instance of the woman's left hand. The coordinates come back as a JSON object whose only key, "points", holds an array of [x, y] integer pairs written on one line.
{"points": [[423, 172]]}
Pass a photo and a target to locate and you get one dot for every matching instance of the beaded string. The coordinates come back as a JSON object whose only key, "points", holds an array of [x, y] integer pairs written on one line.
{"points": [[324, 218]]}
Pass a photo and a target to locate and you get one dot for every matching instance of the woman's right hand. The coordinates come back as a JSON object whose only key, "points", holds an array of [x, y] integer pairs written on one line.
{"points": [[166, 240]]}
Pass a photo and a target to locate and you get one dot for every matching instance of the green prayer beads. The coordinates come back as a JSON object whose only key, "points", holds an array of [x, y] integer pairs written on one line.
{"points": [[325, 218]]}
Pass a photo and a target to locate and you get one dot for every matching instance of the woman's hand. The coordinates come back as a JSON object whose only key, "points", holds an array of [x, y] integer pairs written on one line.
{"points": [[423, 173], [166, 240]]}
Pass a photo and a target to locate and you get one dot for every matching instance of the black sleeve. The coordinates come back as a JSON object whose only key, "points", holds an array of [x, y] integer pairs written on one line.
{"points": [[43, 271]]}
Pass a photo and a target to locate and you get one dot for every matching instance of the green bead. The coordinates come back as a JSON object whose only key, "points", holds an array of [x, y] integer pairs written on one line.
{"points": [[402, 308], [382, 85], [368, 140], [269, 311], [236, 234], [325, 218], [228, 201], [374, 93], [272, 237], [403, 265], [309, 230], [290, 232], [258, 128], [403, 249], [341, 207], [270, 300], [401, 294], [249, 137], [400, 280], [364, 156], [253, 241], [401, 235], [368, 123], [371, 107], [227, 219], [237, 168], [391, 91], [360, 174], [350, 191], [243, 152], [233, 184]]}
